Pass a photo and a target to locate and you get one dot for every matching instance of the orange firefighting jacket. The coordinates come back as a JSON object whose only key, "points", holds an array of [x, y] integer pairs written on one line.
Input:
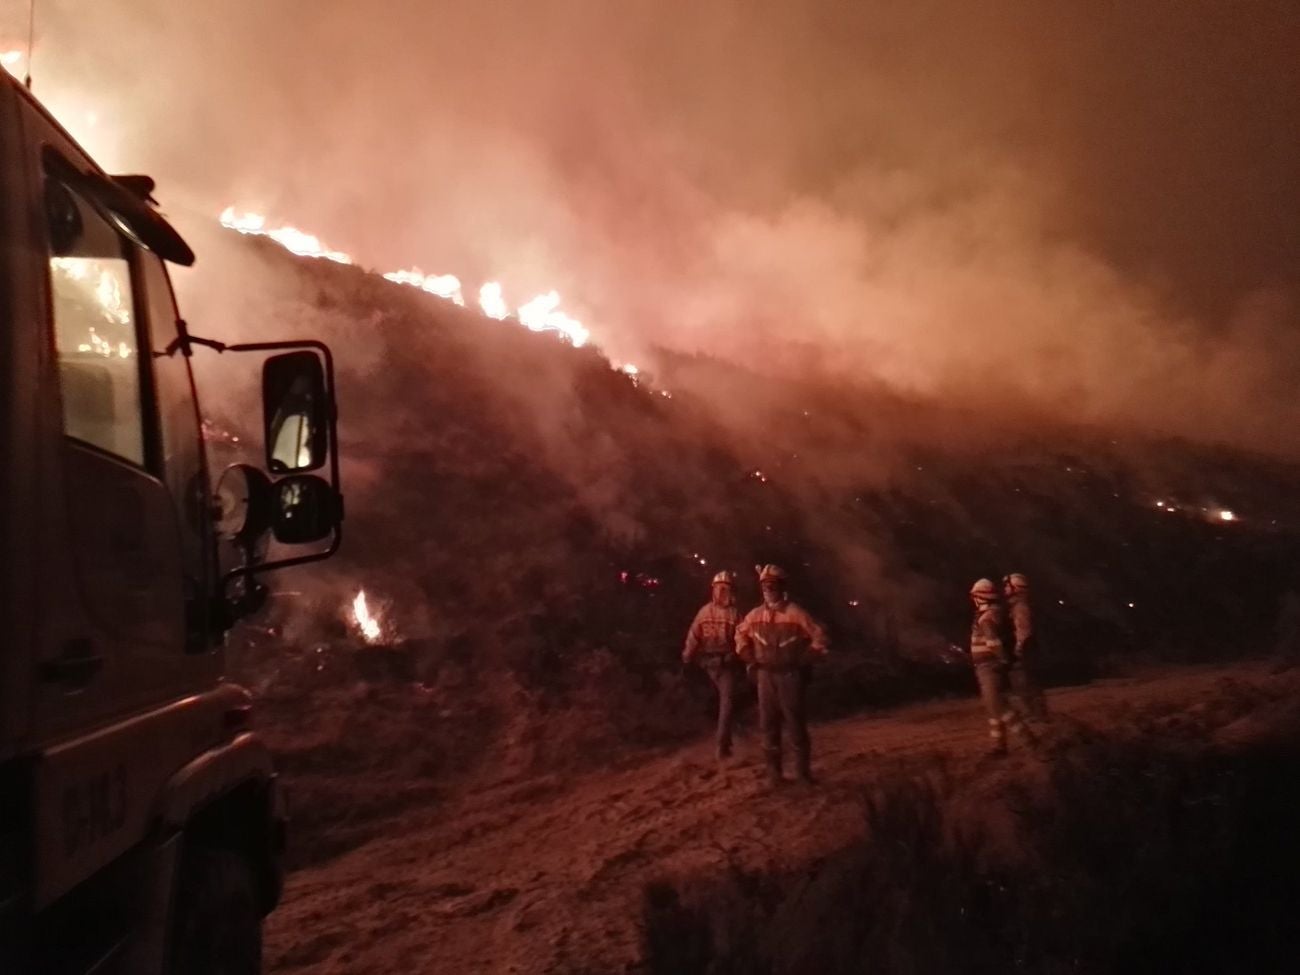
{"points": [[986, 634], [780, 638], [1022, 624], [712, 633]]}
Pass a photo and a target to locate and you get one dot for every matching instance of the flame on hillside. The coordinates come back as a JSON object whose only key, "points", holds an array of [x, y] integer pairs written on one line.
{"points": [[290, 238], [541, 314], [492, 301], [366, 623], [443, 285]]}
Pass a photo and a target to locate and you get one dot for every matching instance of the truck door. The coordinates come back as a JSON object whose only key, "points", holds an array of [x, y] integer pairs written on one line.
{"points": [[116, 631], [121, 640]]}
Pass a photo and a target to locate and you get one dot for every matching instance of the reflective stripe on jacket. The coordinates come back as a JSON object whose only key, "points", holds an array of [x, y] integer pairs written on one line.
{"points": [[780, 638], [986, 633], [713, 631]]}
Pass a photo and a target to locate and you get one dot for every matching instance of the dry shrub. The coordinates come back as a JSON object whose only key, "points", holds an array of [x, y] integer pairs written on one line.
{"points": [[1129, 856], [597, 713]]}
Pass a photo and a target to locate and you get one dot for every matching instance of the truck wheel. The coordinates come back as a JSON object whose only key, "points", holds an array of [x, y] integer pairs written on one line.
{"points": [[218, 927]]}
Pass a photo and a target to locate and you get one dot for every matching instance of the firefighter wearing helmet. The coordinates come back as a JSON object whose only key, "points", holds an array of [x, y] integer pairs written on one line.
{"points": [[710, 641], [990, 660], [1024, 647], [780, 641]]}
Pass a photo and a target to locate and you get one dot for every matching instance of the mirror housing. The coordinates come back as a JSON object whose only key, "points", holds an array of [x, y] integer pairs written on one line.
{"points": [[306, 509], [296, 413]]}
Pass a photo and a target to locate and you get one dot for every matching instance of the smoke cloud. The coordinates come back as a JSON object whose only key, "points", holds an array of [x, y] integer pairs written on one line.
{"points": [[1080, 210]]}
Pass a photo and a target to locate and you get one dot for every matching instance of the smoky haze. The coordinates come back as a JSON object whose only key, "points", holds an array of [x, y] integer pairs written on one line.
{"points": [[1079, 208]]}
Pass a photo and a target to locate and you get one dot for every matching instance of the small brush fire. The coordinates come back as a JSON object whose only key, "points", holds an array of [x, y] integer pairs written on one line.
{"points": [[365, 622], [381, 656]]}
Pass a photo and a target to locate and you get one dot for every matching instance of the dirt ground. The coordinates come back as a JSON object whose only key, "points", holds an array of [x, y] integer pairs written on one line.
{"points": [[547, 873]]}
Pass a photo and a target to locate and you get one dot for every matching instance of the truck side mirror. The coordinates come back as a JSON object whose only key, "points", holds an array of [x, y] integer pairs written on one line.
{"points": [[296, 411], [306, 509], [299, 419]]}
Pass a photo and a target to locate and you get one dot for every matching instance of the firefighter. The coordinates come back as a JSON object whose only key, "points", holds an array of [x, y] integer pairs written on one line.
{"points": [[711, 642], [989, 658], [1024, 647], [780, 641]]}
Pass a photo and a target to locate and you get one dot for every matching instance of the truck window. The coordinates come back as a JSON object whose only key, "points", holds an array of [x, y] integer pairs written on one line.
{"points": [[183, 468], [94, 326], [173, 386]]}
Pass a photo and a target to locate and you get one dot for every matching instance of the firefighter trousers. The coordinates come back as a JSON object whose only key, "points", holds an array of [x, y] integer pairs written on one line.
{"points": [[1026, 689], [782, 706], [725, 678], [1003, 713]]}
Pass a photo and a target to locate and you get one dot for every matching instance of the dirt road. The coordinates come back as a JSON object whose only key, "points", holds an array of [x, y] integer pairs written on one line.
{"points": [[547, 874]]}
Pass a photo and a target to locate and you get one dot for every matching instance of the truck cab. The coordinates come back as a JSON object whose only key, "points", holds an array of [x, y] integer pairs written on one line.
{"points": [[140, 820]]}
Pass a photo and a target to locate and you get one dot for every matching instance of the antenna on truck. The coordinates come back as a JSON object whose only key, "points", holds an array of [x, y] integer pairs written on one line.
{"points": [[31, 37]]}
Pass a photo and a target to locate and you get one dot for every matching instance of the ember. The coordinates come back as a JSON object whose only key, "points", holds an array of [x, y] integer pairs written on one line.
{"points": [[642, 579]]}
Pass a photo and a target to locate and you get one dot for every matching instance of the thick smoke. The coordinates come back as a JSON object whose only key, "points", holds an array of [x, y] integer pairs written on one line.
{"points": [[1075, 209]]}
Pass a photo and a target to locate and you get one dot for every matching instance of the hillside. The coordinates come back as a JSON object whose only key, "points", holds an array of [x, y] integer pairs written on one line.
{"points": [[535, 529]]}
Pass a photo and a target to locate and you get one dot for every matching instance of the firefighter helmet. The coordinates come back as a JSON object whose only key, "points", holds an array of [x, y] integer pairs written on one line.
{"points": [[984, 590], [725, 578], [770, 573], [1016, 582]]}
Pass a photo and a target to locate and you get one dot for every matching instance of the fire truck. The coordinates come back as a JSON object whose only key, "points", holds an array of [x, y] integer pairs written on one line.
{"points": [[141, 826]]}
